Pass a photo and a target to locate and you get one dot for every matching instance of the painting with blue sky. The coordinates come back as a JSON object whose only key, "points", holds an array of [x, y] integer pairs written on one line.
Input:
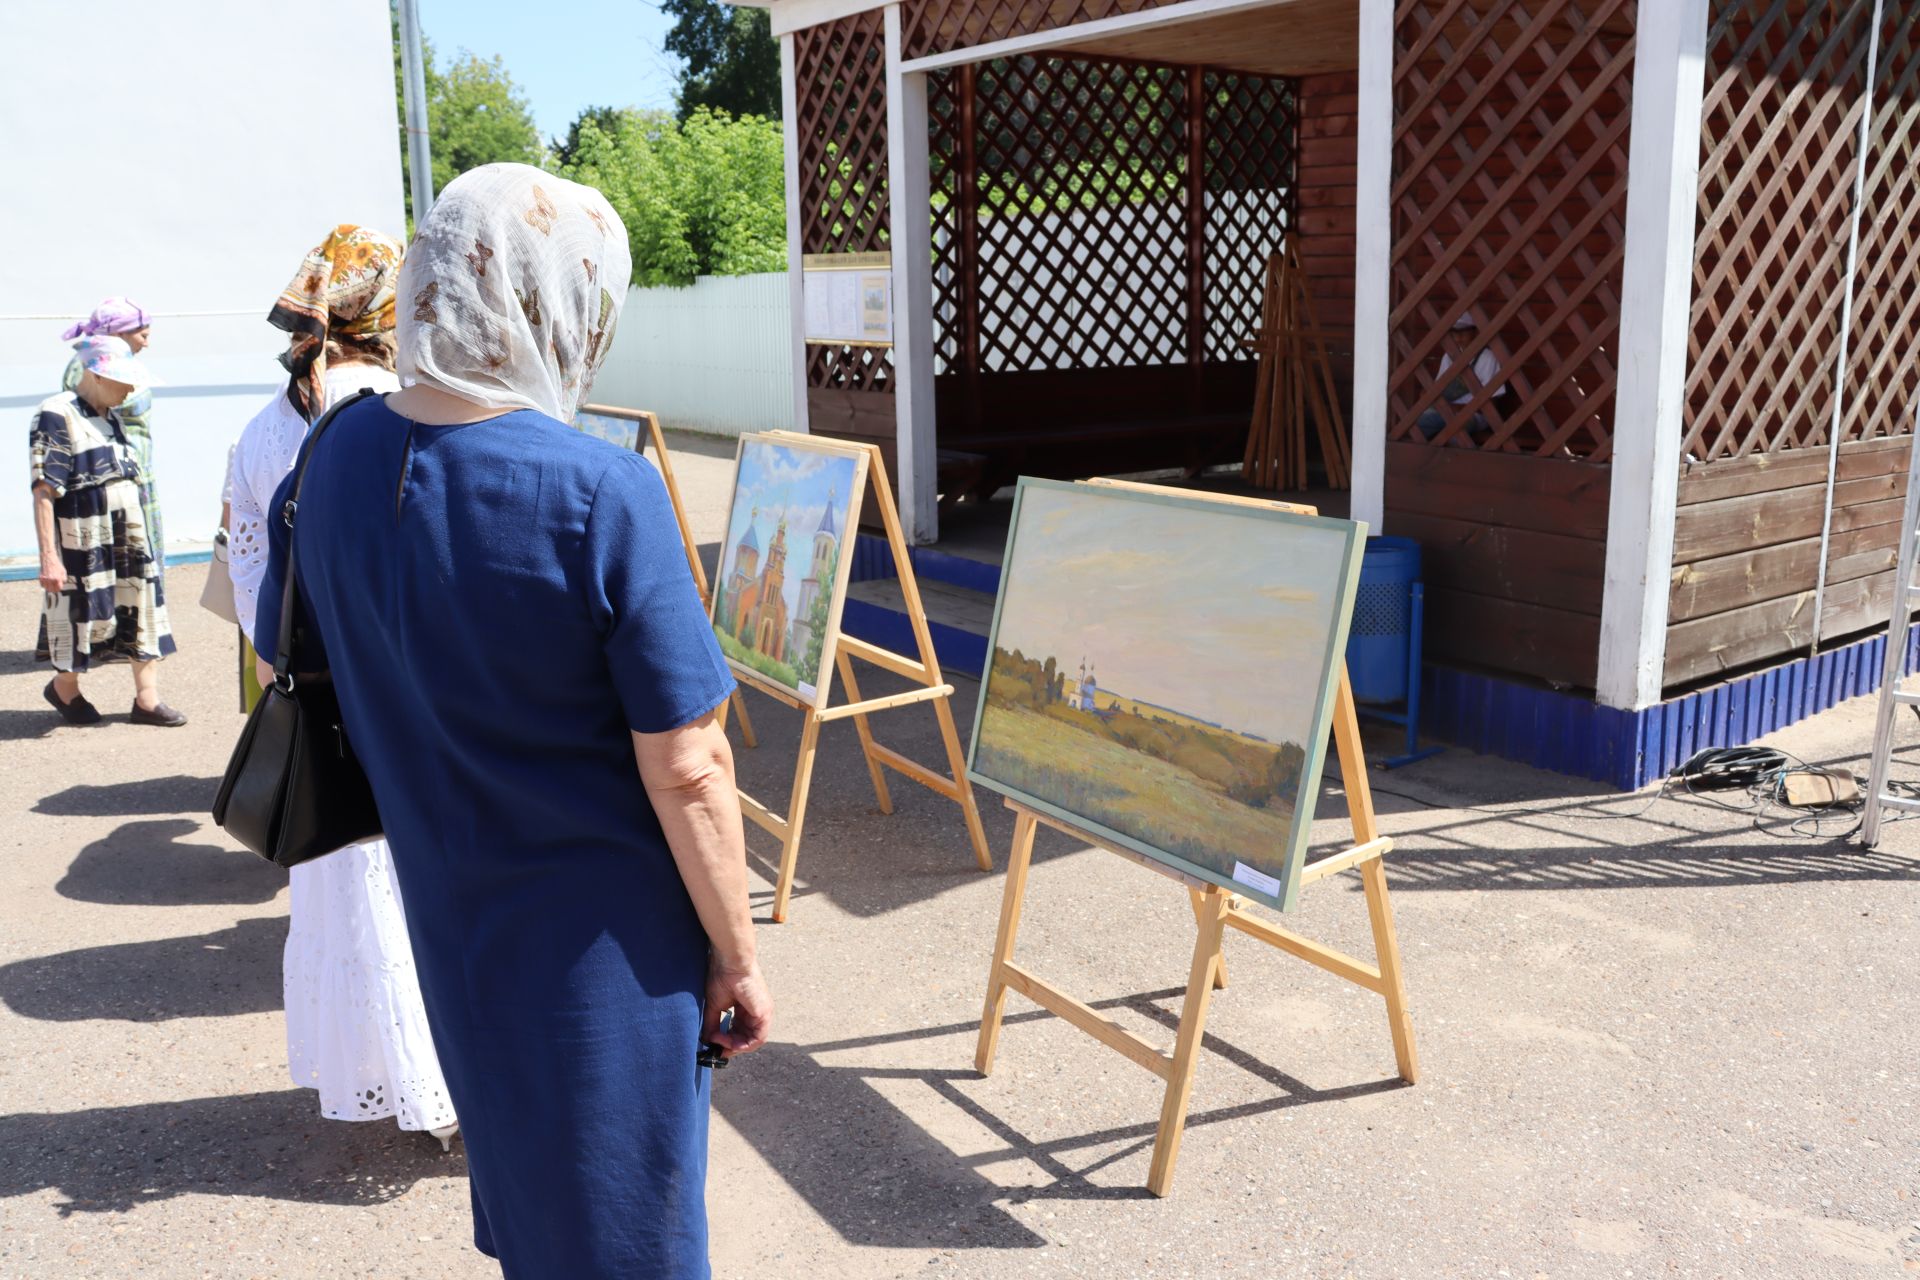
{"points": [[776, 602], [1162, 674]]}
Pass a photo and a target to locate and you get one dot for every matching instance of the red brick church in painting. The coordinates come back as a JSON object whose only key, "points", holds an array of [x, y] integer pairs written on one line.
{"points": [[758, 603]]}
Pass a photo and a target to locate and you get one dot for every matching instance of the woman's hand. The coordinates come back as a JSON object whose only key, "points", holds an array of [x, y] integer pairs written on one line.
{"points": [[53, 576], [745, 992]]}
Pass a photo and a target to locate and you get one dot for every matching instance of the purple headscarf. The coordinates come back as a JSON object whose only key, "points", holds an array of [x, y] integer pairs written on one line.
{"points": [[113, 315]]}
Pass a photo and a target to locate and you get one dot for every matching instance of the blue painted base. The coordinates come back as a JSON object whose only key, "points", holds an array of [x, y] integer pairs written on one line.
{"points": [[1561, 732], [958, 650], [1570, 734]]}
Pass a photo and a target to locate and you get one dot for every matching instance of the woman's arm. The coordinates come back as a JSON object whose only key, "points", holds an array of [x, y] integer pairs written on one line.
{"points": [[688, 773], [53, 570]]}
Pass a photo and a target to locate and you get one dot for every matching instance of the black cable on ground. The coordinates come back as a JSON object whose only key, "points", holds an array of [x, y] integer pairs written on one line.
{"points": [[1758, 775]]}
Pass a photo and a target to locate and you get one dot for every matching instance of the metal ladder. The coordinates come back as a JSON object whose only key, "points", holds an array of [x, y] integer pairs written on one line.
{"points": [[1892, 696]]}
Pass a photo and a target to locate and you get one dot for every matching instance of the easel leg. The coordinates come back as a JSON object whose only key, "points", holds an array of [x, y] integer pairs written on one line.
{"points": [[746, 721], [874, 771], [957, 761], [1386, 947], [1199, 918], [1011, 900], [796, 814], [1186, 1050]]}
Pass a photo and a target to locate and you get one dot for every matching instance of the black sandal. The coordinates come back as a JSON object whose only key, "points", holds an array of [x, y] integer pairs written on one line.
{"points": [[162, 716], [79, 711]]}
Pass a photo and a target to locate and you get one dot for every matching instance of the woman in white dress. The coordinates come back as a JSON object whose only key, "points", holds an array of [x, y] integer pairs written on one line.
{"points": [[356, 1029]]}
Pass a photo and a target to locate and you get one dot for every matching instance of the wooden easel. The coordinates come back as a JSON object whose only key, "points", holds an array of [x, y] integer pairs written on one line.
{"points": [[923, 671], [1293, 382], [651, 421], [1215, 911]]}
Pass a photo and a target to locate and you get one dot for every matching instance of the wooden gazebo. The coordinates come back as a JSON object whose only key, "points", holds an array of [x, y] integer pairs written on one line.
{"points": [[1686, 231]]}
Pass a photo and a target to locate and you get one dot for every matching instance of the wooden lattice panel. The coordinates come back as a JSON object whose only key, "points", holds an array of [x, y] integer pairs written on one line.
{"points": [[1780, 125], [1082, 214], [1509, 198], [1064, 225], [1252, 132], [840, 82], [940, 26], [1883, 376]]}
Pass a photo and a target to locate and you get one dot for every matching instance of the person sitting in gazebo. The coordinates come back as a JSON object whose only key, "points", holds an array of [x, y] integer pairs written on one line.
{"points": [[1460, 351]]}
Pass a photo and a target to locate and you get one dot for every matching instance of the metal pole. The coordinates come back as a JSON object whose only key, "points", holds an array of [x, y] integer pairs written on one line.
{"points": [[1865, 143], [414, 84]]}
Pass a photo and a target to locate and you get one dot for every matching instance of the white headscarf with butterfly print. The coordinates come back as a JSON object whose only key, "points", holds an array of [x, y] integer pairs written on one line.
{"points": [[510, 290]]}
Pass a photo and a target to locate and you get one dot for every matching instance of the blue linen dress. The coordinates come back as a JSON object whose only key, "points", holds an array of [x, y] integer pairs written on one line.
{"points": [[500, 603]]}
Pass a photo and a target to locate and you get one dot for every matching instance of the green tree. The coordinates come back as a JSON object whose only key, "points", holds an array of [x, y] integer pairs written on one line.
{"points": [[817, 619], [704, 197], [475, 115], [732, 59], [565, 151]]}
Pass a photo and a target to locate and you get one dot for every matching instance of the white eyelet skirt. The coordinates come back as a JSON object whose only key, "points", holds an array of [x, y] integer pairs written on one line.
{"points": [[356, 1028]]}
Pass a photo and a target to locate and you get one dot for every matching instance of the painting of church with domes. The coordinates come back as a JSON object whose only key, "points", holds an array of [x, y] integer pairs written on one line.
{"points": [[776, 606]]}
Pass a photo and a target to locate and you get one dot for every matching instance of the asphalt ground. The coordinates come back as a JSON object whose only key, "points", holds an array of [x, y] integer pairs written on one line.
{"points": [[1657, 1036]]}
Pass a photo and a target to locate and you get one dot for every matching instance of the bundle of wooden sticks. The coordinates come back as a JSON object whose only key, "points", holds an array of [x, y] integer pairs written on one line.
{"points": [[1294, 385]]}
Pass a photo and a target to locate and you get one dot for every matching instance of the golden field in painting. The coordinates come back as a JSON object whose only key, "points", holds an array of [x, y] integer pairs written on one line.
{"points": [[1167, 779]]}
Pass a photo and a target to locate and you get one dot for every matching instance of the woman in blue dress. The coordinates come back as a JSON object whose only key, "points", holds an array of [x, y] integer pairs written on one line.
{"points": [[528, 676]]}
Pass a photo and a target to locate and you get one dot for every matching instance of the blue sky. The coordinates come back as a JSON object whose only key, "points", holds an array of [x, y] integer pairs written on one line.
{"points": [[563, 54]]}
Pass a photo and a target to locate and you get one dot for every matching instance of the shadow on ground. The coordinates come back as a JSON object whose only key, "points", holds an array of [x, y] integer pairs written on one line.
{"points": [[271, 1145], [25, 726], [150, 863], [879, 1178], [208, 975], [872, 1173], [145, 797]]}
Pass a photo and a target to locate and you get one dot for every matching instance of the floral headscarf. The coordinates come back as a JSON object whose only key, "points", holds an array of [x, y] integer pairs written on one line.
{"points": [[113, 315], [345, 289], [511, 289]]}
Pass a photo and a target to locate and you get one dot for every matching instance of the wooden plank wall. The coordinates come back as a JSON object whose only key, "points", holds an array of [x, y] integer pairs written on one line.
{"points": [[1514, 556], [1328, 170], [865, 417], [1746, 554]]}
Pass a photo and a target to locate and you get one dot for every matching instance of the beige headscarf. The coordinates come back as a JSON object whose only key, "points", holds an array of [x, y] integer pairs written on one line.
{"points": [[510, 290]]}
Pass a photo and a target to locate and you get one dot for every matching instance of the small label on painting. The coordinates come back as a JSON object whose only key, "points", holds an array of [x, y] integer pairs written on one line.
{"points": [[1260, 880]]}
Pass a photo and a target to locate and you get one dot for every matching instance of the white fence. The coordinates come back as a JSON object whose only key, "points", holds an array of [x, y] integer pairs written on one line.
{"points": [[715, 356]]}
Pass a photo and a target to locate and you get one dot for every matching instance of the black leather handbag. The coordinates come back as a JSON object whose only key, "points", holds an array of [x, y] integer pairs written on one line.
{"points": [[294, 789]]}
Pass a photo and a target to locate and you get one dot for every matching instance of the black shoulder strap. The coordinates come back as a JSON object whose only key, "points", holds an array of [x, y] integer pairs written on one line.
{"points": [[283, 644]]}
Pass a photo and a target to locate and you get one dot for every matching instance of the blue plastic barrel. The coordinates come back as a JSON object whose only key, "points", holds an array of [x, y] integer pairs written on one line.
{"points": [[1378, 640]]}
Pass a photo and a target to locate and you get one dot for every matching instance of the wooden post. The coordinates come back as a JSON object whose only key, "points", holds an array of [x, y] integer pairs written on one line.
{"points": [[1196, 236], [1656, 292], [796, 277], [1373, 264], [969, 173], [909, 204]]}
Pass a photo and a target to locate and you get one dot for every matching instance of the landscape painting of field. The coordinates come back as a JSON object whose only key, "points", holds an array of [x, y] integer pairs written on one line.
{"points": [[776, 601], [1162, 674]]}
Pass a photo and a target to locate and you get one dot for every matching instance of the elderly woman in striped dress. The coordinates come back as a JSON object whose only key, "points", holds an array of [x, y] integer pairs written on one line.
{"points": [[97, 563]]}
